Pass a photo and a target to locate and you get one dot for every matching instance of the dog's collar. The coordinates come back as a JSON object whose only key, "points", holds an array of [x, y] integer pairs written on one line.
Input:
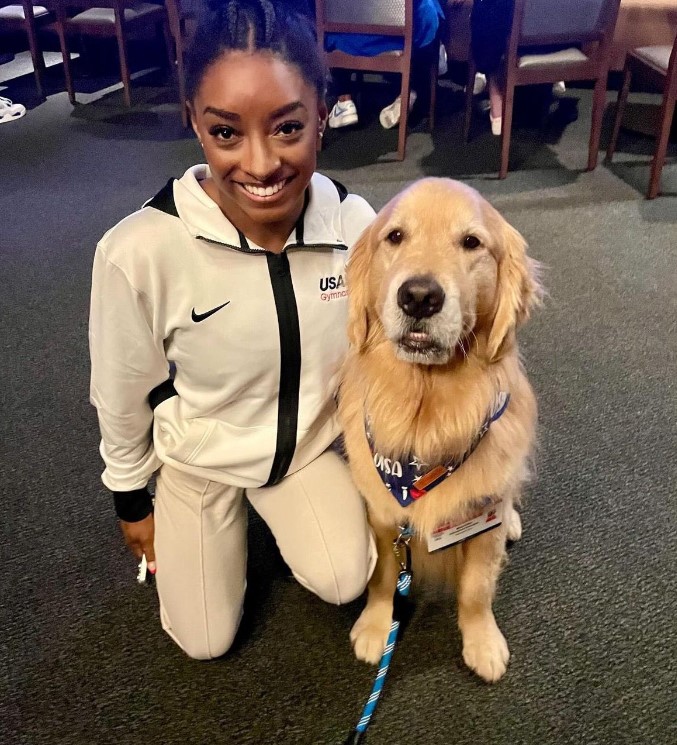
{"points": [[408, 479]]}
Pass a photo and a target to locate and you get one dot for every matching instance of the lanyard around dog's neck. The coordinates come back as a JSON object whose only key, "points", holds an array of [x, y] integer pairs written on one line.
{"points": [[408, 479]]}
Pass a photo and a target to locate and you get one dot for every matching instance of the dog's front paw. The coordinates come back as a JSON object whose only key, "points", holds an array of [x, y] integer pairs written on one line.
{"points": [[514, 521], [370, 634], [485, 650]]}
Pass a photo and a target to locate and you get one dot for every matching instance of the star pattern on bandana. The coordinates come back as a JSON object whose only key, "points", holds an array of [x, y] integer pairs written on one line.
{"points": [[417, 463]]}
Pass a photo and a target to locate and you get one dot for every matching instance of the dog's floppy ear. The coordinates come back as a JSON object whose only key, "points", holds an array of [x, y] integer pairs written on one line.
{"points": [[357, 281], [518, 289]]}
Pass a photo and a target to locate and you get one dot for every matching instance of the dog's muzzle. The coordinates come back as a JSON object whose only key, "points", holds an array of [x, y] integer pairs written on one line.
{"points": [[419, 298]]}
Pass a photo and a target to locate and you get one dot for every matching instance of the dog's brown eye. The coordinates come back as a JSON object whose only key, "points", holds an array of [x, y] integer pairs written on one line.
{"points": [[470, 242], [395, 237]]}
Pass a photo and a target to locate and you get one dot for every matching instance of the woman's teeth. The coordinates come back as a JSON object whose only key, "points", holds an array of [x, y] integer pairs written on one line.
{"points": [[268, 191]]}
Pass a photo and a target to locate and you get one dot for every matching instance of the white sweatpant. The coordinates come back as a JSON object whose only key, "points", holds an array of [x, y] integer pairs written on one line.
{"points": [[316, 516]]}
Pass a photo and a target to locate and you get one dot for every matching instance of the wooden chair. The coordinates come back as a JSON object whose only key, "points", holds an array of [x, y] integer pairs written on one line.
{"points": [[24, 16], [109, 18], [658, 67], [584, 28], [385, 17], [182, 16]]}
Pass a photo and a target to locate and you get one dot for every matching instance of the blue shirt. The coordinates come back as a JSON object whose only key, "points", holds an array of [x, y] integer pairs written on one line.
{"points": [[427, 17]]}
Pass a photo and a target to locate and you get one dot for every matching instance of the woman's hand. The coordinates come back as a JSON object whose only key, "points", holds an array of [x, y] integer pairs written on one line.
{"points": [[139, 538]]}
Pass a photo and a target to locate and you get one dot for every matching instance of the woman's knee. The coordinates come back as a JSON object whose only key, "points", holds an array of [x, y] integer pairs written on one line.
{"points": [[339, 580], [202, 642], [336, 589]]}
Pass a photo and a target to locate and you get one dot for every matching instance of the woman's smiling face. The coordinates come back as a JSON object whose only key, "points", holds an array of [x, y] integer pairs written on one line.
{"points": [[258, 122]]}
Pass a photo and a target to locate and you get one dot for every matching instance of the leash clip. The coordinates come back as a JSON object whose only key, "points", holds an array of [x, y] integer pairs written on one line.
{"points": [[401, 547]]}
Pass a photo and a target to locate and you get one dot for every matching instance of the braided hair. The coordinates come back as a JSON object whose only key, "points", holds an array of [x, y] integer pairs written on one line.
{"points": [[274, 26]]}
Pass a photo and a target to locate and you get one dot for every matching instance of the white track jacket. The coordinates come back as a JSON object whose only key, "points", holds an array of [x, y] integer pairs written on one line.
{"points": [[210, 354]]}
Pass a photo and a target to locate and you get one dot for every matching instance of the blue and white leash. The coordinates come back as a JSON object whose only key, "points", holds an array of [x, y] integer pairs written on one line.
{"points": [[403, 555]]}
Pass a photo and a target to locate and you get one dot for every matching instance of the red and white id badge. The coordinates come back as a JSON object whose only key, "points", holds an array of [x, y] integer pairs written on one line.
{"points": [[449, 534]]}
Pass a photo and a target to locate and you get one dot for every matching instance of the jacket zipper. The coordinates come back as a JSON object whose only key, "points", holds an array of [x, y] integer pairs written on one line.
{"points": [[290, 365]]}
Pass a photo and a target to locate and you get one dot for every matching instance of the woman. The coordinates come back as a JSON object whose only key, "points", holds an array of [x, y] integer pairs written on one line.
{"points": [[233, 277]]}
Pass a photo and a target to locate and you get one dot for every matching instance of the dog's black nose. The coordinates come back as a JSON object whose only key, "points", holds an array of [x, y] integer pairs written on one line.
{"points": [[420, 297]]}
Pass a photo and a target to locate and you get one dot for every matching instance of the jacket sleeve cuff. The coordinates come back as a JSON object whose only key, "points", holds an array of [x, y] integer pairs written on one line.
{"points": [[133, 506]]}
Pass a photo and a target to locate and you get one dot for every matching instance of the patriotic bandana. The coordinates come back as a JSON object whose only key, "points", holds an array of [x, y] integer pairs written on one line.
{"points": [[408, 479]]}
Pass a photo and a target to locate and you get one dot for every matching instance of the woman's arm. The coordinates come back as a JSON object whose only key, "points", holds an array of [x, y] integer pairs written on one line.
{"points": [[128, 361]]}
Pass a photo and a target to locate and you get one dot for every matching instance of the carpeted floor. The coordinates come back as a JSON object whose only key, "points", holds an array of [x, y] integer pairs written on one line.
{"points": [[588, 601]]}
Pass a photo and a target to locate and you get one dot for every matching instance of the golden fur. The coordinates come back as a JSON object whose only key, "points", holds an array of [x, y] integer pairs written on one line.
{"points": [[427, 385]]}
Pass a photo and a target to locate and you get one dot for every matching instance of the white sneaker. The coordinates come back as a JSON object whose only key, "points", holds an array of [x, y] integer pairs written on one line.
{"points": [[496, 125], [390, 116], [10, 111], [480, 83], [343, 114]]}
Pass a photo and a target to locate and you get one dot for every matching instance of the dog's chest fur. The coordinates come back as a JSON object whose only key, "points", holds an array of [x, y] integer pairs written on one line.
{"points": [[436, 418]]}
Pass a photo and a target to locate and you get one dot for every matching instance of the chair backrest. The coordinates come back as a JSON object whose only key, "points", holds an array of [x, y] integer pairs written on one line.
{"points": [[564, 21], [388, 17], [369, 13], [88, 4]]}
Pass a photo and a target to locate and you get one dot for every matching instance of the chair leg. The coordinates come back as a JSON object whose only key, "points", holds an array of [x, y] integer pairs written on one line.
{"points": [[124, 67], [469, 85], [177, 29], [433, 94], [175, 61], [620, 108], [506, 127], [404, 114], [36, 55], [66, 55], [181, 75], [598, 103], [663, 135], [182, 88]]}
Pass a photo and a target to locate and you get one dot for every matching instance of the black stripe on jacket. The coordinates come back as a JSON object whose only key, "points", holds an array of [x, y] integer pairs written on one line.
{"points": [[290, 365]]}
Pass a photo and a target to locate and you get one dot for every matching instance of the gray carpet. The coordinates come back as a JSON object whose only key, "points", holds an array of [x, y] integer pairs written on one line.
{"points": [[588, 601]]}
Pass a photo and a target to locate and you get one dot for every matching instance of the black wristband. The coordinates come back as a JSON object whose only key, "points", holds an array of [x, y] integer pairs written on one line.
{"points": [[132, 506]]}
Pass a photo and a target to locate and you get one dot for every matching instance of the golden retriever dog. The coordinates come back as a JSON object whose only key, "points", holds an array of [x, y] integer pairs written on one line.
{"points": [[438, 285]]}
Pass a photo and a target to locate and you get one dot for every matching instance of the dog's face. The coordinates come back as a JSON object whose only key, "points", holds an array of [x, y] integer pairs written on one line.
{"points": [[438, 265]]}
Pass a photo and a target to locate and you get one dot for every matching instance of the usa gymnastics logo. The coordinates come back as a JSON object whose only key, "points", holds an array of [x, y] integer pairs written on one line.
{"points": [[332, 288]]}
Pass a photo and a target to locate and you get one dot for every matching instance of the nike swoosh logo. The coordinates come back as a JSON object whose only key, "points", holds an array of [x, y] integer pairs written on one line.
{"points": [[197, 317]]}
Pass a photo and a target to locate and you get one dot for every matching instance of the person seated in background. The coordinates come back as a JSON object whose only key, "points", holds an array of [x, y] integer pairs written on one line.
{"points": [[428, 15], [490, 25], [490, 22]]}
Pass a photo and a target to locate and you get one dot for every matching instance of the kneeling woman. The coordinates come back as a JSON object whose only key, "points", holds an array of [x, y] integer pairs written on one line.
{"points": [[219, 279]]}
